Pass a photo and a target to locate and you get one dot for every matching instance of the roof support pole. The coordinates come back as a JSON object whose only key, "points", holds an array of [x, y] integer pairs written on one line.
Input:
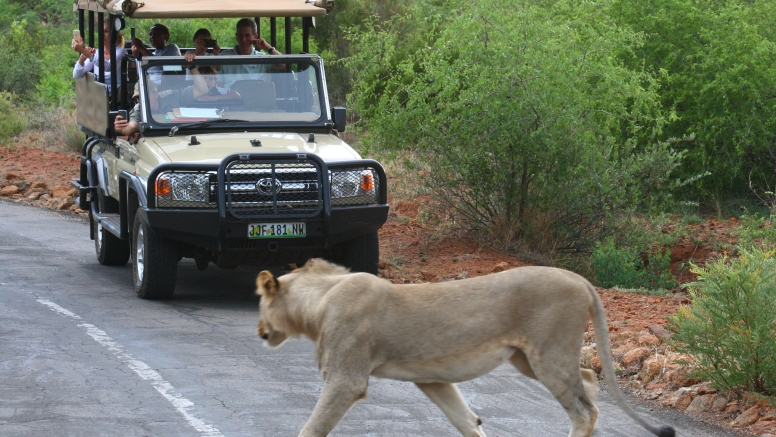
{"points": [[114, 96], [288, 35], [258, 25], [91, 29], [306, 24], [101, 45], [273, 31], [82, 24]]}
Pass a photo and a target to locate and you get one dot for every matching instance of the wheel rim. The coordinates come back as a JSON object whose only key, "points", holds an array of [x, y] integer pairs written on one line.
{"points": [[140, 252], [98, 237]]}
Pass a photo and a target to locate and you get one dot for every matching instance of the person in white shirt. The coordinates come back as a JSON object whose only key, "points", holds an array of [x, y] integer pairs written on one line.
{"points": [[201, 39], [88, 62]]}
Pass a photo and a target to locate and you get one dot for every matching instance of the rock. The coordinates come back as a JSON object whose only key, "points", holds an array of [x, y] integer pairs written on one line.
{"points": [[701, 403], [500, 267], [678, 377], [634, 357], [10, 190], [397, 281], [34, 195], [705, 388], [11, 176], [652, 368], [682, 399], [63, 204], [73, 192], [648, 340], [659, 331], [747, 418], [587, 354], [40, 185], [382, 264], [732, 408], [719, 404], [595, 364], [464, 274], [59, 192]]}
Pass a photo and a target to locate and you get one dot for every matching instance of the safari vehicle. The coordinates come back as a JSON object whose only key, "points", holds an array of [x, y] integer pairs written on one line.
{"points": [[259, 177]]}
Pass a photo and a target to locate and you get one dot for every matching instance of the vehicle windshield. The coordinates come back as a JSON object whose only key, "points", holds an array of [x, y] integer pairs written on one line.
{"points": [[232, 88]]}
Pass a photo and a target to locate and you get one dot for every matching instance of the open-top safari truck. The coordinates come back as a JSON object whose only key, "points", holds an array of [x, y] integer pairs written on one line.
{"points": [[259, 177]]}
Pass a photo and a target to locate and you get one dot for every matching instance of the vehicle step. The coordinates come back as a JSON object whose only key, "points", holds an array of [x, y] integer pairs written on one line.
{"points": [[111, 222]]}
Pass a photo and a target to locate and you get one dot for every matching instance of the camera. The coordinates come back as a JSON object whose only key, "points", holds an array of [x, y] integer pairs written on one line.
{"points": [[210, 43]]}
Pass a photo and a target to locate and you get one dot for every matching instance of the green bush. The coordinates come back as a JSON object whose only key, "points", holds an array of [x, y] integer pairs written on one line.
{"points": [[534, 134], [730, 328], [12, 121], [755, 231], [624, 268]]}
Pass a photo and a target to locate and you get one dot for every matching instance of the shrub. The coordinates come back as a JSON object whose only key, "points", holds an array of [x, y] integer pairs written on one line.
{"points": [[624, 268], [755, 231], [12, 122], [730, 328]]}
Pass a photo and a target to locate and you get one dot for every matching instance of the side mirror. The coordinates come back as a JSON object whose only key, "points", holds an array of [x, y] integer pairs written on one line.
{"points": [[339, 114]]}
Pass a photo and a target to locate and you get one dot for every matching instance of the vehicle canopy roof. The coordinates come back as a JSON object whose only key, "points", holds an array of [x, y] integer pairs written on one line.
{"points": [[208, 8]]}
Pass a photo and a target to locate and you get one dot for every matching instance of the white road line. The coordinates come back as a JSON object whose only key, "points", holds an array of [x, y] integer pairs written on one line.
{"points": [[180, 403]]}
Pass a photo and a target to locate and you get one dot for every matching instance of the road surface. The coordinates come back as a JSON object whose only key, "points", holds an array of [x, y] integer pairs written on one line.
{"points": [[81, 355]]}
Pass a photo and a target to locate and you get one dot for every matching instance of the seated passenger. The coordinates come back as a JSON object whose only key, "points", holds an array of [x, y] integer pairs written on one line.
{"points": [[201, 38], [159, 35], [248, 43], [205, 88], [88, 61]]}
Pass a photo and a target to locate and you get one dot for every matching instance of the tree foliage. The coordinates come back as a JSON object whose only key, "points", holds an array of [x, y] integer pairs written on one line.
{"points": [[720, 59], [529, 124]]}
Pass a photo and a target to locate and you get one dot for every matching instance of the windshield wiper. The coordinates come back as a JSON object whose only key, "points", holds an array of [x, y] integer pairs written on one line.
{"points": [[205, 123]]}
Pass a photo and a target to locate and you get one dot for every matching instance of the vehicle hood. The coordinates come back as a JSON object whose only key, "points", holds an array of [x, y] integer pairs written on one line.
{"points": [[214, 147]]}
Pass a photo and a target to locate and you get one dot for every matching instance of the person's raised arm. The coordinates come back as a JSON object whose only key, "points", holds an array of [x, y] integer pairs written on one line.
{"points": [[138, 48]]}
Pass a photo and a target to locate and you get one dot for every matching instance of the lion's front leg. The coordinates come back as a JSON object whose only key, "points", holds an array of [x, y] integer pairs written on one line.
{"points": [[339, 393], [450, 401]]}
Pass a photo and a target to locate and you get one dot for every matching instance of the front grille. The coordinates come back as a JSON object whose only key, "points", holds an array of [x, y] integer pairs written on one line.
{"points": [[275, 189]]}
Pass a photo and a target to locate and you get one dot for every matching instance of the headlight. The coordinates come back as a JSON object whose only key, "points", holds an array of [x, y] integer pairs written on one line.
{"points": [[354, 187], [183, 190]]}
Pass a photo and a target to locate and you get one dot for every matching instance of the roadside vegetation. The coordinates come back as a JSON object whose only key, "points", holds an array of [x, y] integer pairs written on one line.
{"points": [[563, 131]]}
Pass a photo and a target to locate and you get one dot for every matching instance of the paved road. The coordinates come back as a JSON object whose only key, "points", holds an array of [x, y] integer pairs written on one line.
{"points": [[81, 355]]}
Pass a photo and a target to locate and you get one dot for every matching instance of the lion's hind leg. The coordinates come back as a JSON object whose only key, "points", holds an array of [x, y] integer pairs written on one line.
{"points": [[574, 388], [450, 401]]}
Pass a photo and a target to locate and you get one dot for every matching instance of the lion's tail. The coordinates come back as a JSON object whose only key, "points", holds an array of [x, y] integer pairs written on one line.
{"points": [[605, 355]]}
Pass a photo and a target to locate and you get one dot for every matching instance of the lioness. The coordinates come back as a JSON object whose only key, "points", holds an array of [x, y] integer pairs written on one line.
{"points": [[436, 335]]}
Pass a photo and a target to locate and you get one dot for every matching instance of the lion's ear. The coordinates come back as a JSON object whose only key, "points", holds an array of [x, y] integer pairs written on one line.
{"points": [[266, 284]]}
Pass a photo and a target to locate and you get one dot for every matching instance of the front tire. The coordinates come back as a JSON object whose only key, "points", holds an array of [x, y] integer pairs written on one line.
{"points": [[154, 263], [360, 254], [110, 249]]}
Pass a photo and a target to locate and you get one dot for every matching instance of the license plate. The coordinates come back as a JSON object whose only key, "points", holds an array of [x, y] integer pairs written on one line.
{"points": [[276, 230]]}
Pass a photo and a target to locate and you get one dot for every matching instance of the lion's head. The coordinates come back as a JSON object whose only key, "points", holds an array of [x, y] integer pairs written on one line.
{"points": [[271, 301]]}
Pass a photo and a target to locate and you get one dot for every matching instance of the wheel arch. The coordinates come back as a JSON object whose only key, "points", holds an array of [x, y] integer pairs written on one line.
{"points": [[132, 199]]}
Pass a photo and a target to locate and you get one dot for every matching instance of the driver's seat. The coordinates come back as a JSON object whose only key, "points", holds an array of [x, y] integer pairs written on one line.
{"points": [[256, 94]]}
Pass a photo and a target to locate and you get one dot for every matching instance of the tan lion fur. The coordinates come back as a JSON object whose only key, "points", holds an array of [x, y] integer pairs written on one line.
{"points": [[436, 335]]}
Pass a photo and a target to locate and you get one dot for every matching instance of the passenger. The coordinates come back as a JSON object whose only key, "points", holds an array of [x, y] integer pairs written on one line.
{"points": [[204, 89], [201, 38], [88, 62], [248, 43], [158, 36]]}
